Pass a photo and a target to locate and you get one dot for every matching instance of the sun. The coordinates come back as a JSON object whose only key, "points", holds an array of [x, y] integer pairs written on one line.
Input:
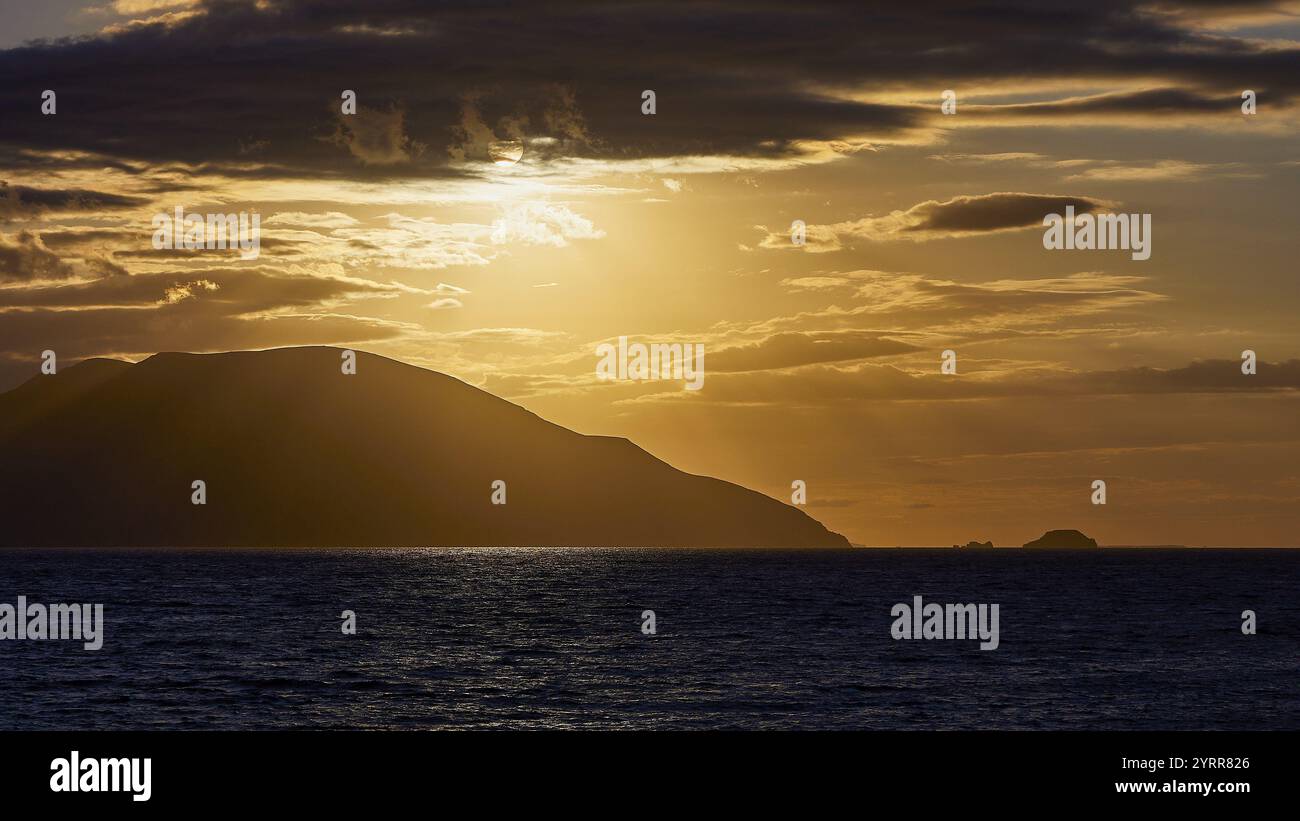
{"points": [[505, 152]]}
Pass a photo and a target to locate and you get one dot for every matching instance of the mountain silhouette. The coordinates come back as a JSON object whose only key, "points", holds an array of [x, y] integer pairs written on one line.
{"points": [[295, 453]]}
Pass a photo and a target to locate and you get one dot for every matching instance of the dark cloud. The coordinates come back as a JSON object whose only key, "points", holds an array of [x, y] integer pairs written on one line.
{"points": [[825, 384], [933, 219], [1147, 102], [213, 309], [67, 238], [21, 201], [992, 212], [255, 86], [27, 258], [197, 325], [266, 245], [815, 502], [235, 291], [1208, 376], [788, 350], [89, 306]]}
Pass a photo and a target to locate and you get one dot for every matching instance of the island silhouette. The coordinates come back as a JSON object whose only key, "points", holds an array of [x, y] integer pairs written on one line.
{"points": [[1068, 539], [1062, 539], [292, 452]]}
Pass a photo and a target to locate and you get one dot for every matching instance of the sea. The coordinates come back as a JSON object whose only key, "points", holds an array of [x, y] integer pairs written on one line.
{"points": [[545, 638]]}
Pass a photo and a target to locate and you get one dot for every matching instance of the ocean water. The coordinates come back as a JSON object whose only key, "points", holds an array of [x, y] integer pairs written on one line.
{"points": [[546, 638]]}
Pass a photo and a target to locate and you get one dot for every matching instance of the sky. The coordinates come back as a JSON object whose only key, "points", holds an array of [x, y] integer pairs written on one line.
{"points": [[392, 230]]}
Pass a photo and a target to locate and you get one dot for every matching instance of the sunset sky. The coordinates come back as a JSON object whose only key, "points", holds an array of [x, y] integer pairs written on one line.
{"points": [[392, 231]]}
